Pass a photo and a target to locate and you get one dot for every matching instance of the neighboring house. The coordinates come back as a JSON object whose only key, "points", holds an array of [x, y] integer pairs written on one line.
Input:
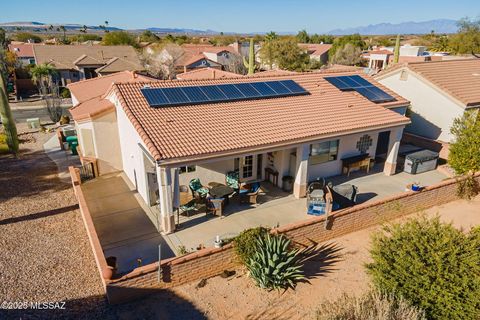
{"points": [[24, 52], [95, 124], [207, 73], [196, 56], [317, 52], [439, 92], [79, 62], [380, 58], [304, 132]]}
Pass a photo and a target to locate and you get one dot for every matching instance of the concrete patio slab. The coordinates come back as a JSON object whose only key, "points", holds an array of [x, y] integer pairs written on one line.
{"points": [[63, 159], [122, 225]]}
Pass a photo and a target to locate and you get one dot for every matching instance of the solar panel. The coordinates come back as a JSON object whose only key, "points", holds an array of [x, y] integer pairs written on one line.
{"points": [[195, 94], [278, 87], [247, 90], [362, 86], [292, 86], [158, 97]]}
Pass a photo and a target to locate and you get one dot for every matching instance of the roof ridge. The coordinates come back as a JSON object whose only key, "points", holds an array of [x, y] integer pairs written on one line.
{"points": [[97, 78]]}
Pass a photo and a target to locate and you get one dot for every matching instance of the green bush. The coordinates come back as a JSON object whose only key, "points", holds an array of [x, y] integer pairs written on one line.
{"points": [[245, 244], [372, 305], [431, 264], [65, 93], [274, 265]]}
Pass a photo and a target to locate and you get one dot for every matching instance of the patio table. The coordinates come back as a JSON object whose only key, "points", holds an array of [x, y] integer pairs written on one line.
{"points": [[221, 191]]}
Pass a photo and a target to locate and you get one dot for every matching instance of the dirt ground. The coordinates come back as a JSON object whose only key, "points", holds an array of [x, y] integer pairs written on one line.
{"points": [[45, 257]]}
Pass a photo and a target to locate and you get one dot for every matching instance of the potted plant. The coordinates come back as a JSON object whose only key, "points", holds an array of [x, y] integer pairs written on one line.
{"points": [[287, 183]]}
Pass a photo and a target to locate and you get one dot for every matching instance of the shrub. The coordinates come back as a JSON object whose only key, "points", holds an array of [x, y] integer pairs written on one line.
{"points": [[245, 244], [431, 264], [274, 265], [468, 188], [372, 305], [65, 93], [117, 38]]}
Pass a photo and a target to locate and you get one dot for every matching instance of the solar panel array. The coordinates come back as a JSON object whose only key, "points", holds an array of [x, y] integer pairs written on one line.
{"points": [[362, 86], [160, 97]]}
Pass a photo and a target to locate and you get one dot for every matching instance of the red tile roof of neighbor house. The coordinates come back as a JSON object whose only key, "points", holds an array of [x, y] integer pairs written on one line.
{"points": [[89, 91], [315, 49], [185, 133], [23, 50], [458, 78], [207, 73], [91, 108]]}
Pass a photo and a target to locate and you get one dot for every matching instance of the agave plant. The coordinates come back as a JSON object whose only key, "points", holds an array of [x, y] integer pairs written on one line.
{"points": [[275, 265]]}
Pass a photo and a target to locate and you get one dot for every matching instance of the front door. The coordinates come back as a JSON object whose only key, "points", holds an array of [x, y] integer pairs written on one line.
{"points": [[382, 144], [248, 168]]}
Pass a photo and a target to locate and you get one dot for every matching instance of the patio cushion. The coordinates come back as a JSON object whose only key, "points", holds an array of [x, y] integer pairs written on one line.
{"points": [[232, 178], [196, 186], [255, 187]]}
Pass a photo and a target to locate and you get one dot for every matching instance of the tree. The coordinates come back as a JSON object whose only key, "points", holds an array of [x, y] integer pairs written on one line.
{"points": [[62, 28], [349, 55], [339, 43], [3, 38], [6, 115], [441, 44], [149, 36], [396, 51], [303, 37], [430, 264], [271, 36], [464, 155], [161, 61], [117, 38], [84, 29], [104, 27], [285, 54], [42, 75], [467, 40], [325, 38]]}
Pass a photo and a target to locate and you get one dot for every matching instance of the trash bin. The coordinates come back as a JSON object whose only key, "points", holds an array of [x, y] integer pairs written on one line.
{"points": [[74, 146], [421, 161]]}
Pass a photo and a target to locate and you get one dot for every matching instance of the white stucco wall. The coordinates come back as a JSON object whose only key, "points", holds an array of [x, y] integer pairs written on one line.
{"points": [[107, 143], [347, 147], [81, 128], [208, 172], [131, 154], [433, 112]]}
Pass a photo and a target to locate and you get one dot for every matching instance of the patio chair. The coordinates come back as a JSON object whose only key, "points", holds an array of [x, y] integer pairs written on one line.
{"points": [[251, 195], [188, 207], [214, 206], [198, 190]]}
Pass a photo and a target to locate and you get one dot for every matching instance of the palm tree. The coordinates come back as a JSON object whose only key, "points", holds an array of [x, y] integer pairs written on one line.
{"points": [[7, 118], [62, 28], [271, 36], [84, 29], [106, 26], [42, 75]]}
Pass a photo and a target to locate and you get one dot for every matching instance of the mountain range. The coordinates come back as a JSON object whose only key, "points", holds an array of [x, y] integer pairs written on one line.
{"points": [[439, 26]]}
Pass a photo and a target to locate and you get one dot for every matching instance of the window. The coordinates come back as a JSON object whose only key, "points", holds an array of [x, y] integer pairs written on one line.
{"points": [[247, 167], [187, 169], [323, 152]]}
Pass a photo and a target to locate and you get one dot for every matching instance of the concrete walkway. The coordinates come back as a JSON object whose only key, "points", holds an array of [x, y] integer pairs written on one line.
{"points": [[63, 159], [123, 228]]}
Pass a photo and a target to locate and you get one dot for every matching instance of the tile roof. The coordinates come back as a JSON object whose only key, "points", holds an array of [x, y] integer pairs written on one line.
{"points": [[315, 49], [458, 78], [207, 73], [273, 72], [64, 56], [91, 108], [95, 87], [183, 133], [119, 64], [23, 50]]}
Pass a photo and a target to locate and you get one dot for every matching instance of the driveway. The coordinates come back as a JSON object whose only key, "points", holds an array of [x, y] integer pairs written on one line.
{"points": [[123, 227]]}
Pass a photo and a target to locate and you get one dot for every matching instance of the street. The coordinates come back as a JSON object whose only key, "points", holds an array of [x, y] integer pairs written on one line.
{"points": [[22, 113]]}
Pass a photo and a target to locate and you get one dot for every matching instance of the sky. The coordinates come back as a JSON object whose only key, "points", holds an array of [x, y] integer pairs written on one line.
{"points": [[246, 16]]}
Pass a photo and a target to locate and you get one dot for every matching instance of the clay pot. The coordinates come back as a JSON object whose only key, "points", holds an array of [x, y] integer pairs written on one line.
{"points": [[107, 273]]}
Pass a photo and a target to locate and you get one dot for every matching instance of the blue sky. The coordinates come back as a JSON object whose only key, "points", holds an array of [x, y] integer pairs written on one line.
{"points": [[237, 16]]}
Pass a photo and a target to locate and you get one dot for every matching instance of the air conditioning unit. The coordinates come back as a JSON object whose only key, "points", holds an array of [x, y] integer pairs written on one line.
{"points": [[33, 123], [69, 131]]}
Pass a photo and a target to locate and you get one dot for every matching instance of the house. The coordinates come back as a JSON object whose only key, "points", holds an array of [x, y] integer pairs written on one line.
{"points": [[439, 92], [24, 52], [196, 56], [95, 123], [79, 62], [207, 73], [317, 52], [300, 125], [380, 58]]}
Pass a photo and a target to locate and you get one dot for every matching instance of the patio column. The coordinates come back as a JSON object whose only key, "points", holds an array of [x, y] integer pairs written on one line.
{"points": [[167, 218], [391, 162], [301, 177]]}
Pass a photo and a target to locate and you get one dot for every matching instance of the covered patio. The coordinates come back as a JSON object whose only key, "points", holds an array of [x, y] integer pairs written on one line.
{"points": [[277, 208]]}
